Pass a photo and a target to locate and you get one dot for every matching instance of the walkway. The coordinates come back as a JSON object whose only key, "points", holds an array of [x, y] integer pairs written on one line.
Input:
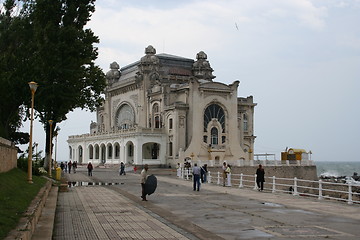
{"points": [[177, 212]]}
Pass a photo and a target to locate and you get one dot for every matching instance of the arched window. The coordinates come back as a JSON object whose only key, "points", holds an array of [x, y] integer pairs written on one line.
{"points": [[156, 115], [157, 122], [117, 150], [214, 136], [80, 151], [91, 152], [130, 150], [170, 123], [214, 111], [170, 148], [97, 151], [245, 120], [110, 150], [155, 108], [125, 117]]}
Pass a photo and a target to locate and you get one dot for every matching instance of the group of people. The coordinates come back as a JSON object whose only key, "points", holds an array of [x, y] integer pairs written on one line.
{"points": [[199, 174], [66, 167]]}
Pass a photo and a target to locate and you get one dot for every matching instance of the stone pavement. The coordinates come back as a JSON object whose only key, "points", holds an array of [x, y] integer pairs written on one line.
{"points": [[174, 211], [95, 212]]}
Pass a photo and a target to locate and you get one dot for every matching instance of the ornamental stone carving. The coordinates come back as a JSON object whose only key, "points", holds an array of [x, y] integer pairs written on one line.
{"points": [[150, 61], [201, 68], [113, 75]]}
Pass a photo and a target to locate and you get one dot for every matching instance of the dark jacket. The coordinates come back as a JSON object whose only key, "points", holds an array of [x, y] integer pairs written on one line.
{"points": [[260, 175]]}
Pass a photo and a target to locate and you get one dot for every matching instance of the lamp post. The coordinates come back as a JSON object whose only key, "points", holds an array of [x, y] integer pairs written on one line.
{"points": [[50, 146], [33, 86], [56, 132]]}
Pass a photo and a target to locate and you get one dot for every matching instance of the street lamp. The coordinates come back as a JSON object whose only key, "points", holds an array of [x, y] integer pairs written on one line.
{"points": [[33, 86], [56, 132], [50, 146]]}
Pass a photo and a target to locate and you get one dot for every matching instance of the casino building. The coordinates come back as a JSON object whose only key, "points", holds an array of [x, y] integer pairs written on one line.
{"points": [[164, 109]]}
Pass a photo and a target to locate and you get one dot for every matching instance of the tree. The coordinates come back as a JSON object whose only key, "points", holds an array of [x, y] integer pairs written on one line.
{"points": [[63, 60], [60, 56], [14, 33]]}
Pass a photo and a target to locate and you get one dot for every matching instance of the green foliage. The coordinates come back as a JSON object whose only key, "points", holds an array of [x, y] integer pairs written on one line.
{"points": [[37, 163], [47, 43], [14, 67], [16, 195]]}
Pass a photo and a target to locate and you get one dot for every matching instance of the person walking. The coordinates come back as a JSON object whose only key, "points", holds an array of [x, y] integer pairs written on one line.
{"points": [[203, 175], [228, 175], [74, 166], [90, 168], [178, 170], [62, 166], [260, 177], [122, 169], [143, 177], [224, 167], [66, 166], [69, 166], [196, 177]]}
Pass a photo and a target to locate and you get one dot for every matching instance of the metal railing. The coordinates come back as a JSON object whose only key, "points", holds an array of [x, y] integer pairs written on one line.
{"points": [[345, 192]]}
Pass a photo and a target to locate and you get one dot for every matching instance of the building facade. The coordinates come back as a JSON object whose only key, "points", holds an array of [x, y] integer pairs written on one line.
{"points": [[164, 109]]}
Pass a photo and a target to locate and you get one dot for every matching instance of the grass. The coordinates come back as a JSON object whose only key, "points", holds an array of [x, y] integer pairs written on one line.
{"points": [[16, 195]]}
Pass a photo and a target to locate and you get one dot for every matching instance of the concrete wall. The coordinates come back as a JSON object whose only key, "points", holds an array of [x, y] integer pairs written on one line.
{"points": [[8, 155]]}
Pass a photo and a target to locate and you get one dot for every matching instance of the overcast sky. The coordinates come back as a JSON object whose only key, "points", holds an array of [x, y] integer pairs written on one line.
{"points": [[300, 59]]}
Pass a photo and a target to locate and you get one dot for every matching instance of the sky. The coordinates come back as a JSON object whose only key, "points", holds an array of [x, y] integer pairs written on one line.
{"points": [[300, 59]]}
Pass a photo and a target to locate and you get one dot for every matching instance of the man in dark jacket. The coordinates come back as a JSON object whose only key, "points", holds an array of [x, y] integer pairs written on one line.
{"points": [[260, 177]]}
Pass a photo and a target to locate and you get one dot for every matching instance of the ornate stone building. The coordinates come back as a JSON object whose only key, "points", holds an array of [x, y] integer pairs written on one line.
{"points": [[164, 109]]}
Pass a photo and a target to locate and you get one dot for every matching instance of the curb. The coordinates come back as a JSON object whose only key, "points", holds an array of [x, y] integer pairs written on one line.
{"points": [[27, 224], [45, 225]]}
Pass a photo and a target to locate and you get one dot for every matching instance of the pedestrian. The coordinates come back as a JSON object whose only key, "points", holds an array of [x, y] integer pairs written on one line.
{"points": [[228, 175], [203, 173], [188, 169], [90, 168], [260, 177], [62, 166], [143, 177], [69, 166], [178, 170], [74, 166], [196, 177], [135, 169], [66, 165], [224, 167], [122, 169]]}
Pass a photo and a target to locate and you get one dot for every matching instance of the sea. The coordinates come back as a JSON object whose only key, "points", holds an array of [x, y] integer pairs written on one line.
{"points": [[337, 169]]}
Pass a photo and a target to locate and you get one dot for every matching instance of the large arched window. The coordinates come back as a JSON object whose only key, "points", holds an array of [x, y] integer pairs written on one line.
{"points": [[125, 117], [214, 111]]}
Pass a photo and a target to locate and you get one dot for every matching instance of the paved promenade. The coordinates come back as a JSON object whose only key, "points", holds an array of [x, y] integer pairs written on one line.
{"points": [[174, 211]]}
